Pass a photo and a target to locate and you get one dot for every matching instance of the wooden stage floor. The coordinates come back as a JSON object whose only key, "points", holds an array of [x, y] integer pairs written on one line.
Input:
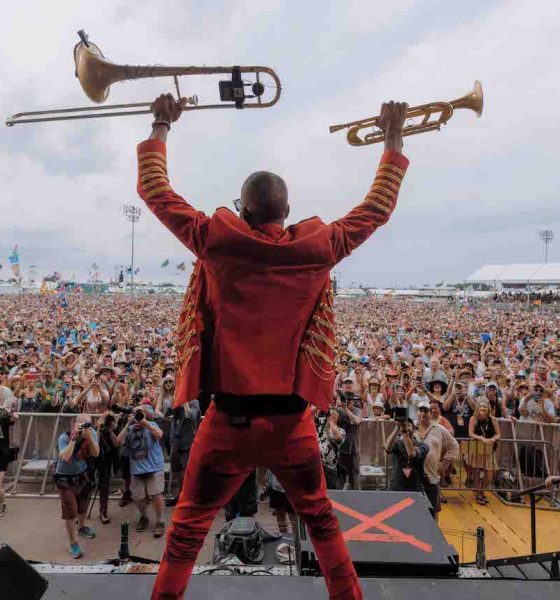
{"points": [[507, 528]]}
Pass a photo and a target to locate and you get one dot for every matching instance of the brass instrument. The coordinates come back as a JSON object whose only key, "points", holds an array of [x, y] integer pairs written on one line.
{"points": [[473, 101], [96, 74]]}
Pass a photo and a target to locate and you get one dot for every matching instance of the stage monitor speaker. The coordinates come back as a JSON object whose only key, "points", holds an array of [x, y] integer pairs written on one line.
{"points": [[388, 534], [18, 579]]}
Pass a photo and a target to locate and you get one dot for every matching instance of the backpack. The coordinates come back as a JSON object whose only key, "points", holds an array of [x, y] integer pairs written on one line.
{"points": [[243, 537]]}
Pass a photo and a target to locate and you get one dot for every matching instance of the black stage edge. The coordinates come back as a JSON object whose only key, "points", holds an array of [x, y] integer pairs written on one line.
{"points": [[138, 587], [389, 534]]}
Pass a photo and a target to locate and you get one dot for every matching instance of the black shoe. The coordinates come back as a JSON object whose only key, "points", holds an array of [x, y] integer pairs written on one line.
{"points": [[126, 499], [172, 501], [142, 523]]}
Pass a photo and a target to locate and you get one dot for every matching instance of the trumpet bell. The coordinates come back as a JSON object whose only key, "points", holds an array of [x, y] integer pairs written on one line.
{"points": [[93, 72], [474, 100]]}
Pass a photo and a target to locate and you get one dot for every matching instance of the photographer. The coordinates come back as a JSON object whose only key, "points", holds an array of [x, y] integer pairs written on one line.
{"points": [[350, 413], [408, 457], [106, 461], [184, 426], [141, 436], [7, 419], [72, 480], [331, 437]]}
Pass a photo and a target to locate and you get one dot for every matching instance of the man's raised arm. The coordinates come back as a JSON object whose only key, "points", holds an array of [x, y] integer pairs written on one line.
{"points": [[356, 227], [189, 225]]}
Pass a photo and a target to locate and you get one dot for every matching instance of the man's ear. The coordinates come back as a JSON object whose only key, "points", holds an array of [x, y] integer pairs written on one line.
{"points": [[287, 211]]}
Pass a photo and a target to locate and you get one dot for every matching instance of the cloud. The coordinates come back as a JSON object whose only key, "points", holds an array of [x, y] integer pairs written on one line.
{"points": [[478, 191]]}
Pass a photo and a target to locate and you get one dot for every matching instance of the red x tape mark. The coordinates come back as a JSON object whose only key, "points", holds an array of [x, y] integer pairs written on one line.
{"points": [[358, 532]]}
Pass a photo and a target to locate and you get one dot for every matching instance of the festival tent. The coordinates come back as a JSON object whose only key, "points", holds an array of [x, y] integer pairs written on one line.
{"points": [[517, 274]]}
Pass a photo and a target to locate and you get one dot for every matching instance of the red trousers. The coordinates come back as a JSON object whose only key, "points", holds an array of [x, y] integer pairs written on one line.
{"points": [[221, 458]]}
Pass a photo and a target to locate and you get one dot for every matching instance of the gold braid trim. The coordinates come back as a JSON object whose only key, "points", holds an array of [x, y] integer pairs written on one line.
{"points": [[309, 353], [321, 338], [149, 170], [392, 168], [184, 359], [381, 192], [379, 206], [326, 324], [185, 338], [146, 154], [156, 162], [151, 176], [159, 190], [326, 308], [155, 183], [394, 187], [381, 188], [185, 324], [389, 176]]}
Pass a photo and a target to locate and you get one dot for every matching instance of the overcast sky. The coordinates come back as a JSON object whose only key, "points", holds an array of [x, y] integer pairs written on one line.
{"points": [[477, 192]]}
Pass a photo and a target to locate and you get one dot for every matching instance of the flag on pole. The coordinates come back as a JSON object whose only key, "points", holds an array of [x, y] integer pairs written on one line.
{"points": [[165, 263], [14, 261], [181, 267]]}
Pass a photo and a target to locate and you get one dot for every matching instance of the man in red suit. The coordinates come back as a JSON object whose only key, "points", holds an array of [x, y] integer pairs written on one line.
{"points": [[256, 330]]}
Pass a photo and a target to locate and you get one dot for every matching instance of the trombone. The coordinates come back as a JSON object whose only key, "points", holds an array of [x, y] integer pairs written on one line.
{"points": [[474, 101], [96, 74]]}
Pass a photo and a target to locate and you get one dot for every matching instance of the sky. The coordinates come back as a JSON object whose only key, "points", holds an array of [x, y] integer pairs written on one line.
{"points": [[476, 192]]}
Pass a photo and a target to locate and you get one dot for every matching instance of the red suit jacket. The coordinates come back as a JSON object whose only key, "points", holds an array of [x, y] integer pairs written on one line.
{"points": [[257, 317]]}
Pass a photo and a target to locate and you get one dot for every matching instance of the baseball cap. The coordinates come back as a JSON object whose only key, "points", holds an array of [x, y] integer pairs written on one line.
{"points": [[364, 360], [424, 404], [348, 380]]}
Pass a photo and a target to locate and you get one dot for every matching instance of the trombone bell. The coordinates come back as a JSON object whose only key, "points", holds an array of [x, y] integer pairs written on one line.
{"points": [[91, 71]]}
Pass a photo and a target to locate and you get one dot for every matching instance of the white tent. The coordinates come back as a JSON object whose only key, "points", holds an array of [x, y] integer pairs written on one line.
{"points": [[520, 273]]}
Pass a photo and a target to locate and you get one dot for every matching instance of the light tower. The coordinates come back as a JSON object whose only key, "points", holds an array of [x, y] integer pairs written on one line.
{"points": [[546, 235], [132, 214]]}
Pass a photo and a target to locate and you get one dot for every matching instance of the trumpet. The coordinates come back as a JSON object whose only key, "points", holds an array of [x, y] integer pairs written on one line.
{"points": [[96, 74], [441, 111]]}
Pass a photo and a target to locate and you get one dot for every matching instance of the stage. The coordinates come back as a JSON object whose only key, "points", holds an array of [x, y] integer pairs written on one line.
{"points": [[133, 587]]}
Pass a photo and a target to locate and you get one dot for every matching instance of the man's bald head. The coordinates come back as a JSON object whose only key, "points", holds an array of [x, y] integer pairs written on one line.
{"points": [[264, 198]]}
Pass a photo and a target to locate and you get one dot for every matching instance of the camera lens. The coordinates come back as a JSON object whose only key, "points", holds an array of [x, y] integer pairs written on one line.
{"points": [[139, 415]]}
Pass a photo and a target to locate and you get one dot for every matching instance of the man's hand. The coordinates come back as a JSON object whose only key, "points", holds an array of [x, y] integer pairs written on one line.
{"points": [[391, 121], [165, 109]]}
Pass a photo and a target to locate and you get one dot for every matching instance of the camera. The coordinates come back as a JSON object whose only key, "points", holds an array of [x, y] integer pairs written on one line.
{"points": [[401, 414], [5, 416], [139, 415], [122, 410], [86, 426]]}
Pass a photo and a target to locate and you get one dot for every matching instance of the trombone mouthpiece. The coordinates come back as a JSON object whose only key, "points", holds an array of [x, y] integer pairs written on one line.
{"points": [[9, 122]]}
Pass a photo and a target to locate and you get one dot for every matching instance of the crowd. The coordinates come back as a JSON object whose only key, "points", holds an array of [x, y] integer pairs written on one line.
{"points": [[540, 297], [440, 370]]}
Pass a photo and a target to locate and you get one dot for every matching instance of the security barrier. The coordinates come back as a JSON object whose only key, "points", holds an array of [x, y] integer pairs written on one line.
{"points": [[526, 453]]}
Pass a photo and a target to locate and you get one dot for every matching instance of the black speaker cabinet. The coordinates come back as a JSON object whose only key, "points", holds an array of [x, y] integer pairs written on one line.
{"points": [[18, 579]]}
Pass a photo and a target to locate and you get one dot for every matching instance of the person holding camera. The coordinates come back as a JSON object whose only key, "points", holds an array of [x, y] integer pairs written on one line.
{"points": [[7, 419], [72, 480], [106, 461], [409, 455], [184, 426], [331, 437], [350, 413], [141, 435]]}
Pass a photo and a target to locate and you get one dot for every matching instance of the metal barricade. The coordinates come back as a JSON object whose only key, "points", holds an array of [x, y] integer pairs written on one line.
{"points": [[526, 453]]}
